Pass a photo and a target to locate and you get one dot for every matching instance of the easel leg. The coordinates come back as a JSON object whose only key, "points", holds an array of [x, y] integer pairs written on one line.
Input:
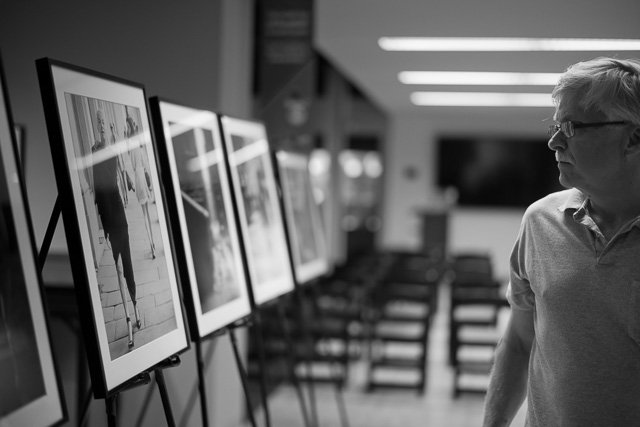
{"points": [[342, 408], [310, 349], [111, 411], [81, 379], [48, 236], [201, 384], [145, 406], [243, 375], [111, 401], [257, 328], [164, 395], [292, 361], [194, 394], [84, 413]]}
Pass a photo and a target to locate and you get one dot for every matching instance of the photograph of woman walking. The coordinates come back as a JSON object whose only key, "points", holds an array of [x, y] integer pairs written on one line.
{"points": [[111, 210], [125, 252], [117, 233]]}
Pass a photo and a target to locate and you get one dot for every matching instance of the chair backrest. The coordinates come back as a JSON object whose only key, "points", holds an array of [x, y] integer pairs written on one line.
{"points": [[472, 270], [434, 234]]}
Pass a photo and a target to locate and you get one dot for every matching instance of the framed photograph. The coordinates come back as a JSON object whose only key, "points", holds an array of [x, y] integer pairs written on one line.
{"points": [[206, 233], [30, 389], [303, 217], [259, 209], [114, 214]]}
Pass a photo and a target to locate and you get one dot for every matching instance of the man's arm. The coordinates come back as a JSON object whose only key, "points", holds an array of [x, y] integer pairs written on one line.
{"points": [[508, 383]]}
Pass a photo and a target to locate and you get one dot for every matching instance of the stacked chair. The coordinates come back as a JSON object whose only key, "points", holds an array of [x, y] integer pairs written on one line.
{"points": [[326, 325], [334, 313], [399, 314], [476, 300]]}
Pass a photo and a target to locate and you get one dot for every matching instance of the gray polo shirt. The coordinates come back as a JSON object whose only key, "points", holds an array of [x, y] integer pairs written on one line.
{"points": [[585, 293]]}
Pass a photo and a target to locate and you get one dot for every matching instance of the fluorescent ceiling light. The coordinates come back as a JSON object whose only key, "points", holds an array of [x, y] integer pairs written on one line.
{"points": [[476, 78], [486, 44], [481, 99]]}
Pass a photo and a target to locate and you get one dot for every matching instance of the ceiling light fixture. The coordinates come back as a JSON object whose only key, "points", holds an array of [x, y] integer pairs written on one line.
{"points": [[487, 44], [476, 78], [481, 99]]}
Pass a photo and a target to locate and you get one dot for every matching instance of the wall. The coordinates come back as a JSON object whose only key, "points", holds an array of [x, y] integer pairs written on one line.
{"points": [[409, 149], [235, 66], [198, 54], [172, 51], [410, 164]]}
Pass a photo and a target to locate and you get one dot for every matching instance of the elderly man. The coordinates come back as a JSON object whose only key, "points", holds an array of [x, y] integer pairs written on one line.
{"points": [[572, 344]]}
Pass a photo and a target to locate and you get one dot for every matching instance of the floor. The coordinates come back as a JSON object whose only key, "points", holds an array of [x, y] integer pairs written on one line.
{"points": [[388, 408]]}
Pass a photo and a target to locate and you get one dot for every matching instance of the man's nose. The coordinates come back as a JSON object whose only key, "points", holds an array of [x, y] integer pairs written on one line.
{"points": [[557, 141]]}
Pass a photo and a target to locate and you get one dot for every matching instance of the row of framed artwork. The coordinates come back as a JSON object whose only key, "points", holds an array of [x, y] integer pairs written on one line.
{"points": [[179, 222]]}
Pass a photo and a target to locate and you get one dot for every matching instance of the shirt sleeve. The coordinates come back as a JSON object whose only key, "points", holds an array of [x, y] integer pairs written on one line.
{"points": [[519, 292]]}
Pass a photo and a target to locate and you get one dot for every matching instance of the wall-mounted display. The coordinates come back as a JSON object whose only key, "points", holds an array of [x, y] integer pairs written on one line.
{"points": [[115, 221], [206, 233], [306, 231], [259, 210], [30, 392], [497, 171]]}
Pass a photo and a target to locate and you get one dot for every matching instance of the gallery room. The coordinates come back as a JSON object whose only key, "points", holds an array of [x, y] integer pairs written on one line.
{"points": [[316, 213]]}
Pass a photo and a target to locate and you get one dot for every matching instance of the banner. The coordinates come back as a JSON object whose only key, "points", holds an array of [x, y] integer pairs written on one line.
{"points": [[284, 37], [287, 72]]}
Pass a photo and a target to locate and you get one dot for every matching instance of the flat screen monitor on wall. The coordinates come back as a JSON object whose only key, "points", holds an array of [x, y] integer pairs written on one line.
{"points": [[497, 171]]}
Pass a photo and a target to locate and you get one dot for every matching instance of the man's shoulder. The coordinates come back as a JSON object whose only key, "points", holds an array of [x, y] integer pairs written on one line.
{"points": [[553, 203], [556, 199]]}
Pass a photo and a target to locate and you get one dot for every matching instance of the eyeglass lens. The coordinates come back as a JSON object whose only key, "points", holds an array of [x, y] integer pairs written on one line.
{"points": [[565, 127]]}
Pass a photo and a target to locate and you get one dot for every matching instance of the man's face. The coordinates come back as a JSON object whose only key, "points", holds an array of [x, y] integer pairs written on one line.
{"points": [[592, 159], [101, 125]]}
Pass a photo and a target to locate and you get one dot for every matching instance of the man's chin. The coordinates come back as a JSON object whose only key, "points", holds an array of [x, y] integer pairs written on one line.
{"points": [[565, 183]]}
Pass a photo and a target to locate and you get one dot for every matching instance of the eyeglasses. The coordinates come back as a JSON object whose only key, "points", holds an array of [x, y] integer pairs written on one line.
{"points": [[568, 128]]}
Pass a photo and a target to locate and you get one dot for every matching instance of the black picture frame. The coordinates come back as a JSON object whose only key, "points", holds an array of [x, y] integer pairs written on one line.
{"points": [[30, 390], [21, 138], [207, 235], [258, 207], [303, 217], [104, 183]]}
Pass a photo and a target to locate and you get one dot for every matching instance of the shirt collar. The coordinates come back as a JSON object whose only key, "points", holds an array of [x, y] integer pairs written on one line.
{"points": [[576, 200]]}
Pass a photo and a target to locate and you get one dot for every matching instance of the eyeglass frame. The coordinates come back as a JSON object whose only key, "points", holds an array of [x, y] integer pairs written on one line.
{"points": [[572, 126]]}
